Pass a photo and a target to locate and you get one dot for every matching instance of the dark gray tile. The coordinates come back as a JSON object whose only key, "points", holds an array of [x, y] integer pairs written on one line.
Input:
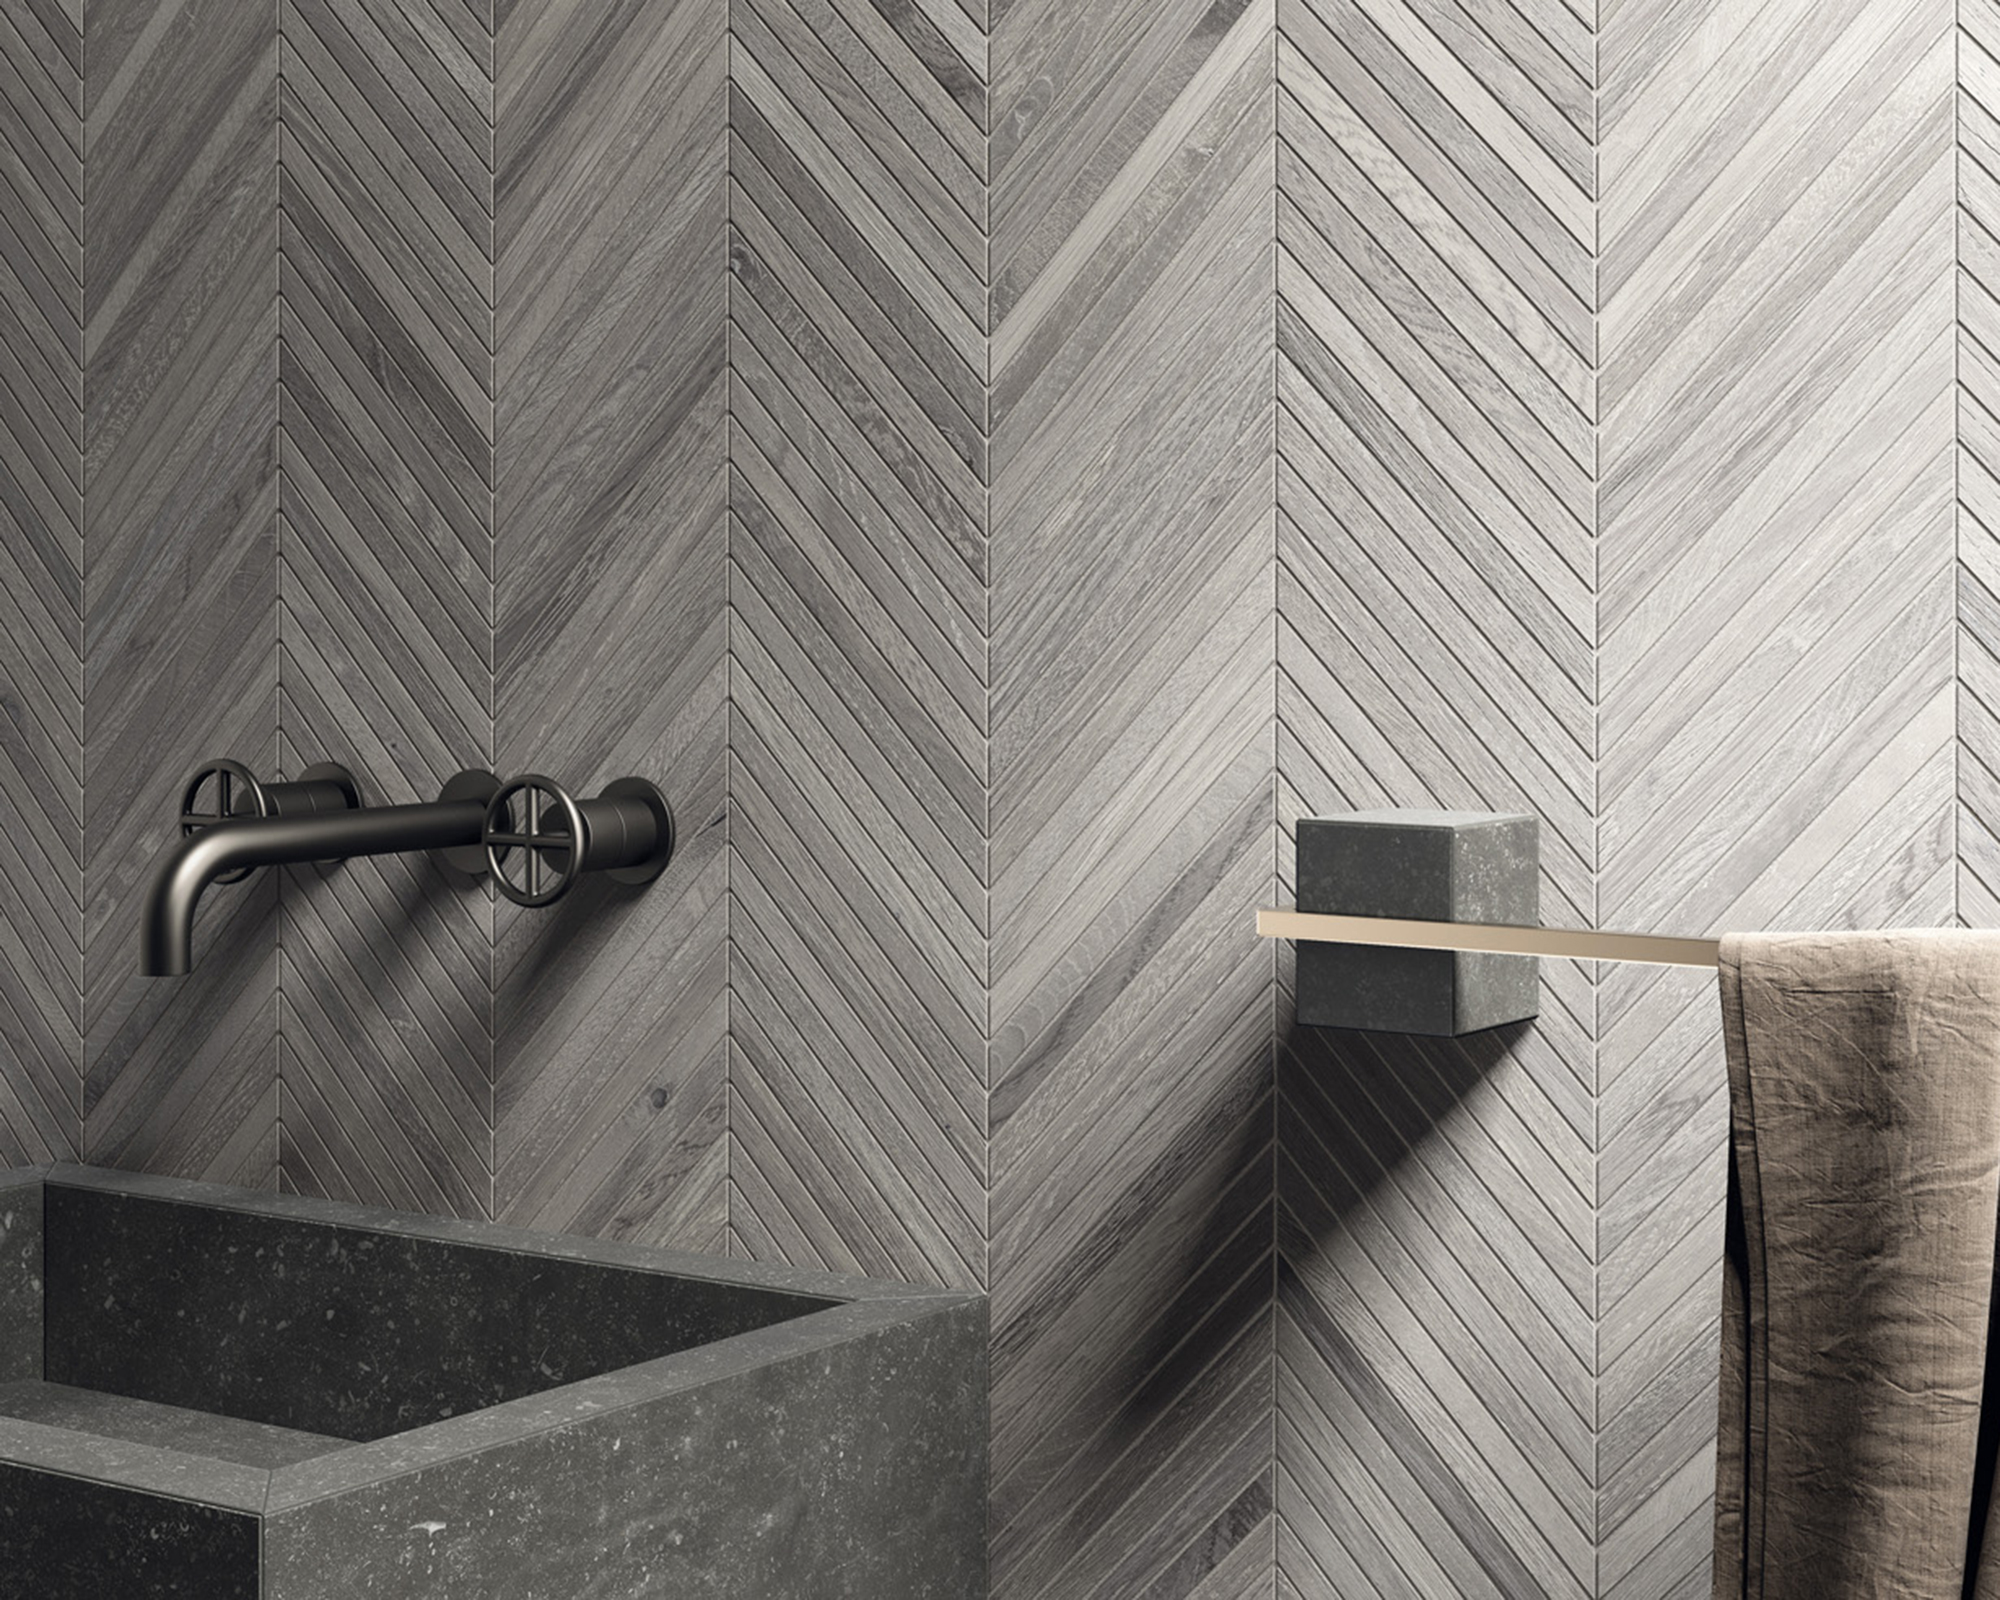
{"points": [[41, 576], [385, 372], [180, 604], [859, 510], [610, 603]]}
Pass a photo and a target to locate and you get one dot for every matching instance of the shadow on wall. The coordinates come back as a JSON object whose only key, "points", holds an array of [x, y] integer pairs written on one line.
{"points": [[1379, 1236], [554, 949], [1356, 1104], [1147, 1356], [1218, 1288], [333, 904]]}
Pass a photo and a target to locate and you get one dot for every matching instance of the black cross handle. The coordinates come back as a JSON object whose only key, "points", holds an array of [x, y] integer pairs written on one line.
{"points": [[552, 838], [228, 791]]}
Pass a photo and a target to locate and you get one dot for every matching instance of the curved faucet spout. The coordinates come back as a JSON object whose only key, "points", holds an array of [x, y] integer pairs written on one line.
{"points": [[166, 936]]}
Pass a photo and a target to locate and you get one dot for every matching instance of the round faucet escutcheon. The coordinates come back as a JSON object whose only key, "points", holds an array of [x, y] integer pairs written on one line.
{"points": [[539, 839], [227, 791]]}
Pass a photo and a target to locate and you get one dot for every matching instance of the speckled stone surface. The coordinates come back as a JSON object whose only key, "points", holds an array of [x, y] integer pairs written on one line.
{"points": [[127, 1464], [838, 1449], [81, 1540], [199, 1433], [21, 1275], [846, 1469], [342, 1330], [1442, 866]]}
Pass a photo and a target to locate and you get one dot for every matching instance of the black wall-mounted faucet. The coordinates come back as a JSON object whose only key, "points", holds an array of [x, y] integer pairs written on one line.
{"points": [[627, 832]]}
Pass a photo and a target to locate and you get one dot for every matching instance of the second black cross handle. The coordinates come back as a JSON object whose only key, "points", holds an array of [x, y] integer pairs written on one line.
{"points": [[539, 839]]}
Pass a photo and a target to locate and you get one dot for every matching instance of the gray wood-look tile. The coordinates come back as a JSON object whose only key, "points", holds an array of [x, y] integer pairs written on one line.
{"points": [[864, 417], [1976, 817], [858, 631], [179, 605], [1131, 797], [1436, 489], [1776, 618], [610, 1011], [41, 581], [1755, 743], [385, 544]]}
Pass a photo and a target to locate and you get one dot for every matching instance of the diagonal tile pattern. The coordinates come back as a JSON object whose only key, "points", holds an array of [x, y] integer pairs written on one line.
{"points": [[858, 649], [1436, 1308], [1977, 294], [610, 655], [179, 414], [930, 558], [1775, 602], [408, 278], [1131, 812], [386, 456], [41, 579]]}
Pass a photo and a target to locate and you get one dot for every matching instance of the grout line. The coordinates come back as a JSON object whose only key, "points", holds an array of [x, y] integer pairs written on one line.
{"points": [[986, 737], [731, 1238], [1596, 800], [278, 571], [987, 725], [83, 585], [493, 616], [986, 681], [1277, 825]]}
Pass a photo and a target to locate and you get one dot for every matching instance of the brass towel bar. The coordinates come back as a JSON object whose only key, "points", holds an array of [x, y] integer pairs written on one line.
{"points": [[1499, 938]]}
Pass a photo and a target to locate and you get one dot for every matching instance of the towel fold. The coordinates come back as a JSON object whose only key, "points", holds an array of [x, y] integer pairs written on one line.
{"points": [[1857, 1438]]}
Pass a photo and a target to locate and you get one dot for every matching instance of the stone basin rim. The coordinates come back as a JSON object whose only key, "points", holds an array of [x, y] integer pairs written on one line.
{"points": [[499, 1236], [864, 1307]]}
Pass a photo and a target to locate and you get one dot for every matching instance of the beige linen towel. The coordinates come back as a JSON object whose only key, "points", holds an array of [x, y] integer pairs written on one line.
{"points": [[1857, 1438]]}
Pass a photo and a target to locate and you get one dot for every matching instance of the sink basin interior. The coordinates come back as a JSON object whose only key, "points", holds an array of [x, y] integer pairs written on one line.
{"points": [[248, 1396], [291, 1337]]}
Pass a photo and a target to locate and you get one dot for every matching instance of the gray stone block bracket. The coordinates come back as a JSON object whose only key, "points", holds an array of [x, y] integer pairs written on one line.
{"points": [[1433, 866]]}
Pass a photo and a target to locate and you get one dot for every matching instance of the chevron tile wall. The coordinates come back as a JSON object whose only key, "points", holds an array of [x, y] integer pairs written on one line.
{"points": [[345, 316], [1652, 323], [1775, 617], [385, 592], [1001, 622], [1131, 798], [1977, 464], [180, 330], [41, 579], [858, 556], [1000, 464], [610, 652], [1436, 1199]]}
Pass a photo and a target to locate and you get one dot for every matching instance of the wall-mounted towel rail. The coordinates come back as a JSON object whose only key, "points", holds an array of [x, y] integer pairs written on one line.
{"points": [[1499, 938]]}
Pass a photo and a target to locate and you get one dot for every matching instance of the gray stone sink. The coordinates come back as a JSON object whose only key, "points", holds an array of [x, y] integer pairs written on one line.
{"points": [[229, 1395]]}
